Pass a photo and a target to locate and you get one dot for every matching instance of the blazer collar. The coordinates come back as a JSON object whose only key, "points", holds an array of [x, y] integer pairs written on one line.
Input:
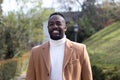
{"points": [[67, 53], [46, 55]]}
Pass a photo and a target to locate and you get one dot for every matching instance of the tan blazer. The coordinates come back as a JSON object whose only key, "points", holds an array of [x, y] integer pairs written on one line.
{"points": [[76, 64]]}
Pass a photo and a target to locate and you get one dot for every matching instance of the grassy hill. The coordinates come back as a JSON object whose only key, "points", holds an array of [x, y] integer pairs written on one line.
{"points": [[104, 46]]}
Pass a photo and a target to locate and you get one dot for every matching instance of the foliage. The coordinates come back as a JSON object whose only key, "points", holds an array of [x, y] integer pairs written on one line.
{"points": [[20, 30], [98, 73], [113, 74], [110, 11], [7, 70], [70, 32], [11, 68], [68, 5], [101, 15], [110, 8], [1, 1], [85, 30], [104, 51], [13, 38], [16, 34], [94, 16], [92, 13], [107, 42]]}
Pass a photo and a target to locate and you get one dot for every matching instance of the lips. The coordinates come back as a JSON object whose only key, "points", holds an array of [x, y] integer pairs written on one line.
{"points": [[55, 31], [56, 34]]}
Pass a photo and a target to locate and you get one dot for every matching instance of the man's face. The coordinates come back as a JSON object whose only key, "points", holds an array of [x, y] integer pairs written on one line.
{"points": [[56, 27]]}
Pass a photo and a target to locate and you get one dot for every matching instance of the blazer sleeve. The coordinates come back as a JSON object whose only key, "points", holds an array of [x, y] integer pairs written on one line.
{"points": [[86, 66], [31, 70]]}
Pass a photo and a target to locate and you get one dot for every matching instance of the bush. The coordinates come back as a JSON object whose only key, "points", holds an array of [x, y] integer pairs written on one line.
{"points": [[8, 70], [11, 68], [113, 74], [97, 73]]}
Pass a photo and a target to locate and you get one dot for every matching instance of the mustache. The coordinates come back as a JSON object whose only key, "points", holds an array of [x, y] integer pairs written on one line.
{"points": [[56, 30]]}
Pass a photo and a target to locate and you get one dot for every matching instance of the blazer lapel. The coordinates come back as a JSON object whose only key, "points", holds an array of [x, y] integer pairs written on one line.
{"points": [[46, 55], [67, 53]]}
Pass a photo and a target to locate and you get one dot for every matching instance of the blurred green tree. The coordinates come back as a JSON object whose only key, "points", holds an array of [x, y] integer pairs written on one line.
{"points": [[1, 1], [92, 12], [21, 29], [110, 11]]}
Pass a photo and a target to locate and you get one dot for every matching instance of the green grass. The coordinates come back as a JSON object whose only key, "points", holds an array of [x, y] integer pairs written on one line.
{"points": [[104, 46]]}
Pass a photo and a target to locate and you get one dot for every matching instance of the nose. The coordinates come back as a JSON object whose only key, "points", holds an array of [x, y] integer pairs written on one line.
{"points": [[55, 26]]}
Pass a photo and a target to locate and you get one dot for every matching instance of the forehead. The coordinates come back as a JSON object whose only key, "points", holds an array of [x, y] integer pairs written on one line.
{"points": [[56, 18]]}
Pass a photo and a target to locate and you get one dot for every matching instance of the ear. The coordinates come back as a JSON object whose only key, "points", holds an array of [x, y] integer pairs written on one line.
{"points": [[65, 28]]}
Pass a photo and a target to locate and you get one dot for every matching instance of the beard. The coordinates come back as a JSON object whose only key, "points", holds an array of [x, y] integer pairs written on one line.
{"points": [[57, 37]]}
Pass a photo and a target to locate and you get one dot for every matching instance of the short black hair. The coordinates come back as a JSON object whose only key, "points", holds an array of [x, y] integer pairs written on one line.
{"points": [[57, 13]]}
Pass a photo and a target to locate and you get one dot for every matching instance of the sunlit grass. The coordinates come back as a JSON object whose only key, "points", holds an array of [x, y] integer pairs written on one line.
{"points": [[104, 46]]}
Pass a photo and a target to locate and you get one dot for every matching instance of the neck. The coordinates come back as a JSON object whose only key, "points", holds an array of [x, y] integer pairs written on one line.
{"points": [[57, 42]]}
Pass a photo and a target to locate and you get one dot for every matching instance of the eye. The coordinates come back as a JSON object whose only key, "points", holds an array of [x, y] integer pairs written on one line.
{"points": [[51, 24]]}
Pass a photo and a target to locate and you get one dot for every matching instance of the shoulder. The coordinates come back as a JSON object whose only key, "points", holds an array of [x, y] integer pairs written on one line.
{"points": [[79, 46], [76, 45], [39, 47]]}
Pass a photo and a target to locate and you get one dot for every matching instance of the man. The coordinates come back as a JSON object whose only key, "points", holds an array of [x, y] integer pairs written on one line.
{"points": [[59, 58]]}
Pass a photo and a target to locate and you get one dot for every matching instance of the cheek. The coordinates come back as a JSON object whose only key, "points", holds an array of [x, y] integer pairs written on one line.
{"points": [[49, 29]]}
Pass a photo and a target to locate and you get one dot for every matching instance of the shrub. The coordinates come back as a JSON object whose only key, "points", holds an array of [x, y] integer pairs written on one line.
{"points": [[11, 68], [8, 70], [113, 74], [97, 73]]}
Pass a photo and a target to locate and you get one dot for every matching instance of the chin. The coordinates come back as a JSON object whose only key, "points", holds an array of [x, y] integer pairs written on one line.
{"points": [[56, 37]]}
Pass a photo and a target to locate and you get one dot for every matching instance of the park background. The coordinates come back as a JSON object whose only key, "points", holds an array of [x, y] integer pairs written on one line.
{"points": [[95, 23]]}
